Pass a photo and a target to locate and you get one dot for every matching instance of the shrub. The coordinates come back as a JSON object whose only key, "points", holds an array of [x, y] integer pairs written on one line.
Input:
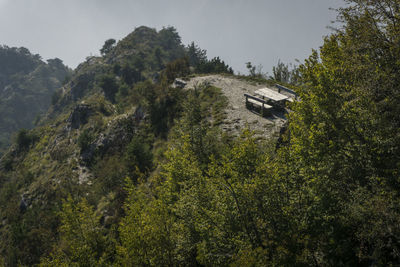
{"points": [[25, 139], [85, 139], [177, 68], [138, 154], [109, 86]]}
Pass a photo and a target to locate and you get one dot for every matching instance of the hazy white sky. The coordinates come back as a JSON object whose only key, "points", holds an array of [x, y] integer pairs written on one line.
{"points": [[260, 31]]}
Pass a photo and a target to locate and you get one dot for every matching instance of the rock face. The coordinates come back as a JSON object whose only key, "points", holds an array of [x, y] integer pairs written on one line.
{"points": [[79, 116], [119, 132]]}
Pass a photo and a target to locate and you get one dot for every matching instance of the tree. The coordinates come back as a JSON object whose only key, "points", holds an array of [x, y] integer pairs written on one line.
{"points": [[82, 239], [138, 155], [283, 73], [196, 55], [85, 139], [25, 139], [177, 68], [158, 58], [107, 47], [215, 65], [344, 146], [109, 86], [251, 68], [169, 37], [147, 231], [56, 63], [255, 71], [131, 74]]}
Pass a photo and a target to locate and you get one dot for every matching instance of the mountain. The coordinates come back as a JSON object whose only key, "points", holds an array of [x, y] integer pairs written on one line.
{"points": [[146, 157], [26, 87], [110, 120]]}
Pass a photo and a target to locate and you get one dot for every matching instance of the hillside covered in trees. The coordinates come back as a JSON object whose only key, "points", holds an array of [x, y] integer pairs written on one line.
{"points": [[26, 87], [127, 170]]}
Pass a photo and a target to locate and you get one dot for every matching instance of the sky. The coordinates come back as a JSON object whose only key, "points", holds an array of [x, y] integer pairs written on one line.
{"points": [[238, 31]]}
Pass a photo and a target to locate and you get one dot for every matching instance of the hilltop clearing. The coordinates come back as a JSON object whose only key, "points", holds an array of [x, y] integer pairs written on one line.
{"points": [[237, 115]]}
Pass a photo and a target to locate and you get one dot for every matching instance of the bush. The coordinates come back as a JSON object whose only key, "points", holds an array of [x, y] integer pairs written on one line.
{"points": [[138, 154], [132, 74], [215, 65], [109, 86], [85, 139], [7, 163], [177, 68], [107, 47], [25, 139]]}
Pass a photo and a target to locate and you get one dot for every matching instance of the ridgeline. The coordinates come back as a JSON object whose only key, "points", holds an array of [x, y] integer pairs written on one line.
{"points": [[129, 168]]}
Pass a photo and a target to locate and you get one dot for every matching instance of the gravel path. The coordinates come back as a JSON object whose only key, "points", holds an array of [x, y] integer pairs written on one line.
{"points": [[237, 115]]}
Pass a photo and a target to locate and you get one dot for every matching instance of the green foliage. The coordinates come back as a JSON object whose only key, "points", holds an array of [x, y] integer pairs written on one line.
{"points": [[203, 112], [138, 154], [123, 92], [109, 85], [110, 173], [170, 41], [164, 105], [146, 232], [83, 239], [197, 58], [152, 50], [85, 139], [158, 58], [215, 65], [196, 55], [132, 73], [17, 60], [7, 162], [193, 218], [25, 139], [340, 134], [255, 72], [51, 167], [329, 197], [283, 73], [107, 47], [177, 68], [27, 85]]}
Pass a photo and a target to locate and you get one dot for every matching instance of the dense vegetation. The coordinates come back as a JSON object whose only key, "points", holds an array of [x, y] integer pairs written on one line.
{"points": [[158, 183], [111, 121], [26, 88]]}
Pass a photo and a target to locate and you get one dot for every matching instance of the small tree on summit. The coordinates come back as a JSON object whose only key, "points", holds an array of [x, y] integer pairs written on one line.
{"points": [[108, 45], [196, 55]]}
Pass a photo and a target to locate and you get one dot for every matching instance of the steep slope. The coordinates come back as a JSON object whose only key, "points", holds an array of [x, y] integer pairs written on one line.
{"points": [[101, 126], [127, 170], [26, 87], [109, 124]]}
